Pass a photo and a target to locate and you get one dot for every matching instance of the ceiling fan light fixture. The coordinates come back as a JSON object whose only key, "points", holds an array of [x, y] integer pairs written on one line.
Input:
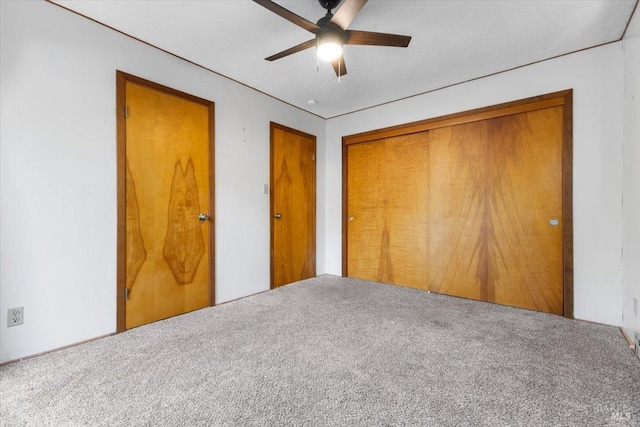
{"points": [[329, 51], [329, 46], [332, 33]]}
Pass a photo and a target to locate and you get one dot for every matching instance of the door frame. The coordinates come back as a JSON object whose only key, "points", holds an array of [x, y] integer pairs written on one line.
{"points": [[122, 79], [562, 98], [272, 127]]}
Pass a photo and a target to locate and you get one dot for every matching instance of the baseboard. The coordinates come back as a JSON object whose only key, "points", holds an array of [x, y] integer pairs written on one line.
{"points": [[31, 356]]}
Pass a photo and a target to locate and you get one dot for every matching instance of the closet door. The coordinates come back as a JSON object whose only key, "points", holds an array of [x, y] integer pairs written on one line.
{"points": [[496, 210], [388, 210], [476, 205]]}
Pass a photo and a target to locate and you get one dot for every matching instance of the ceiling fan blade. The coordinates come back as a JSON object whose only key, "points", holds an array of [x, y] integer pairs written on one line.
{"points": [[289, 16], [291, 50], [339, 67], [369, 38], [345, 14]]}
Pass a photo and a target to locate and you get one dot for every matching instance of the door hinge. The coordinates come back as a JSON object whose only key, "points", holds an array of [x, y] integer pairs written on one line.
{"points": [[313, 156], [126, 111], [126, 294], [313, 257]]}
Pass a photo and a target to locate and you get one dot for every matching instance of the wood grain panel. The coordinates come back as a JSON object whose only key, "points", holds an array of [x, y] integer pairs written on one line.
{"points": [[457, 211], [164, 132], [136, 253], [388, 210], [293, 185], [184, 244], [495, 186], [364, 248]]}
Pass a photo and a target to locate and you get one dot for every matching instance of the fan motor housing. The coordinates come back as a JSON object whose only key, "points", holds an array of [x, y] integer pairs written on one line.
{"points": [[331, 33]]}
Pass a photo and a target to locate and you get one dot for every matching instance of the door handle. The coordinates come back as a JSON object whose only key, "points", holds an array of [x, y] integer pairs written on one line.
{"points": [[203, 217], [277, 216]]}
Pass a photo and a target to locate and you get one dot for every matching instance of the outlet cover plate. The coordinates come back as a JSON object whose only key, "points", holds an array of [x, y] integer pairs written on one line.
{"points": [[15, 316]]}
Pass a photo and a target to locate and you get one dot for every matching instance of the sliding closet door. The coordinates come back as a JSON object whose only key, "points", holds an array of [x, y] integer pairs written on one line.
{"points": [[388, 210], [476, 205], [496, 210]]}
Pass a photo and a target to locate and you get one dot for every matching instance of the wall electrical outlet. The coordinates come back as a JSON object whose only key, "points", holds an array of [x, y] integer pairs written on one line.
{"points": [[15, 316]]}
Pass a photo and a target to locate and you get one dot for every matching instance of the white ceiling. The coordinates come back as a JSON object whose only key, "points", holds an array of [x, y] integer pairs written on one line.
{"points": [[452, 42]]}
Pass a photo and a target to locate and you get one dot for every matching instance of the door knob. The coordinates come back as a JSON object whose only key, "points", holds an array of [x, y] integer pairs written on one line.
{"points": [[553, 221], [277, 216], [350, 218], [203, 217]]}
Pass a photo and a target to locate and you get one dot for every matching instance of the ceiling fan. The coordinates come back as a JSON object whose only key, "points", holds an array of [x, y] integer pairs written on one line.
{"points": [[331, 32]]}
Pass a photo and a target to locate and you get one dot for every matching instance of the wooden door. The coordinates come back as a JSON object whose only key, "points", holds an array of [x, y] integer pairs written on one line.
{"points": [[486, 205], [168, 232], [388, 220], [496, 187], [293, 205]]}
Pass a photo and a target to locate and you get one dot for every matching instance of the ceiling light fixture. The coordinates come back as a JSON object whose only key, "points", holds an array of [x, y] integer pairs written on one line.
{"points": [[329, 45], [331, 32]]}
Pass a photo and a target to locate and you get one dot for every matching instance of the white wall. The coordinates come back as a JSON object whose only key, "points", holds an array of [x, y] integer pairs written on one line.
{"points": [[631, 173], [596, 78], [58, 172]]}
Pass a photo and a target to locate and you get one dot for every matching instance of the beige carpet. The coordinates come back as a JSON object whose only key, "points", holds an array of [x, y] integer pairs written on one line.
{"points": [[336, 352]]}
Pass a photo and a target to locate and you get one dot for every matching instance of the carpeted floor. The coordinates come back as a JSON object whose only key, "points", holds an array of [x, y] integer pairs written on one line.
{"points": [[336, 352]]}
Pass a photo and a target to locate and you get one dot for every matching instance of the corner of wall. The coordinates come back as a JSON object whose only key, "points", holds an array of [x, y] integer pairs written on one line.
{"points": [[631, 183]]}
